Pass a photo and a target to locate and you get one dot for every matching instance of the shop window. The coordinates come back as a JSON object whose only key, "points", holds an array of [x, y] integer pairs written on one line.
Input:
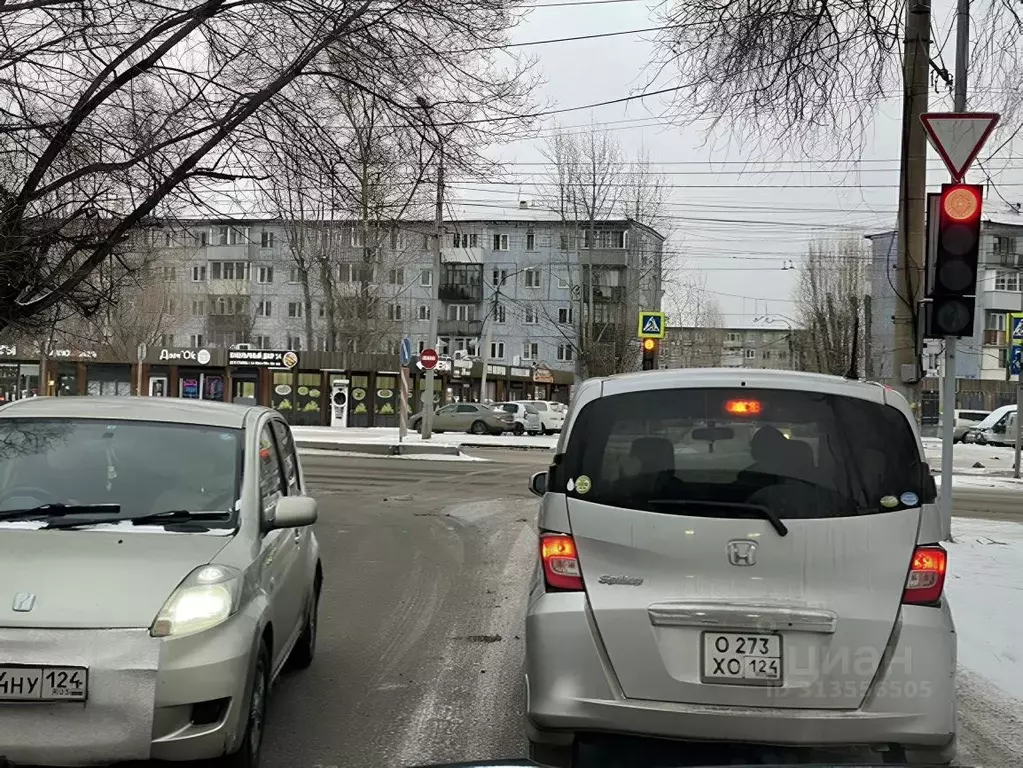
{"points": [[307, 400]]}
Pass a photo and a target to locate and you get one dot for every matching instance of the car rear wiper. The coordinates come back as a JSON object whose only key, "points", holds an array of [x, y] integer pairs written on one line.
{"points": [[760, 509], [57, 510]]}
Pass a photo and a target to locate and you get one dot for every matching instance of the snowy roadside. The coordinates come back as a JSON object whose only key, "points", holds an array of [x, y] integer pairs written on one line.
{"points": [[389, 436]]}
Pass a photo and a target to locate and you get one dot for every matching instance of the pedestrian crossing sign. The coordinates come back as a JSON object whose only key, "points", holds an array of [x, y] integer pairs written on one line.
{"points": [[651, 325], [1015, 328]]}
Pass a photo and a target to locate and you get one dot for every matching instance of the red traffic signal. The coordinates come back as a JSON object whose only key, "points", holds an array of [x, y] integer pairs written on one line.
{"points": [[956, 260], [960, 203]]}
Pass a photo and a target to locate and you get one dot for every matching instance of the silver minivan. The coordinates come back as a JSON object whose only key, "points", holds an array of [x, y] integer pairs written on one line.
{"points": [[741, 556]]}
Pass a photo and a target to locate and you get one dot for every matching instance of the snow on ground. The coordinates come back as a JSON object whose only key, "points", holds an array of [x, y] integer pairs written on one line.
{"points": [[414, 457], [964, 456], [986, 595], [389, 436]]}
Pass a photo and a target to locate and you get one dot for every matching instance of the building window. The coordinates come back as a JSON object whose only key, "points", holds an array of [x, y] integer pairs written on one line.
{"points": [[750, 354], [562, 283], [265, 275], [261, 342], [199, 274], [198, 308], [462, 240], [222, 235], [530, 350], [424, 312], [294, 309], [1007, 281], [239, 236], [266, 239], [421, 345], [497, 350], [461, 312], [767, 354], [426, 278], [202, 238], [168, 306], [500, 242], [499, 314], [733, 337], [532, 277], [529, 315], [1004, 246], [530, 241], [394, 311], [169, 274], [500, 277], [264, 308], [565, 353], [197, 340], [295, 343], [396, 276], [294, 275], [229, 270], [565, 315], [321, 310], [166, 339]]}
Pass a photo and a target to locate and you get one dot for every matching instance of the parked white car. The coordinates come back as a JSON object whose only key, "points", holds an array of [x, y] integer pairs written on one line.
{"points": [[527, 418], [552, 414]]}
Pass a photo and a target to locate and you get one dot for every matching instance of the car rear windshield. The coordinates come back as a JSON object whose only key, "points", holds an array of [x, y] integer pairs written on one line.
{"points": [[142, 466], [727, 452]]}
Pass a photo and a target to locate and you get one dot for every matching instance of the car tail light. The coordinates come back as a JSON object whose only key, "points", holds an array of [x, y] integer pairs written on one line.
{"points": [[560, 561], [926, 580]]}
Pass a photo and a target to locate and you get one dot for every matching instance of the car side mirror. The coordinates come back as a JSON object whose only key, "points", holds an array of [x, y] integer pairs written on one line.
{"points": [[294, 512], [538, 483]]}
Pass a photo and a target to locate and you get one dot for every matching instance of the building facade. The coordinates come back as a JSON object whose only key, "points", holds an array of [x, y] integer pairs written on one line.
{"points": [[520, 286], [688, 347]]}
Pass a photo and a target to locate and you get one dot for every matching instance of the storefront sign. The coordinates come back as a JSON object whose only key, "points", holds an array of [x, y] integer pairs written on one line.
{"points": [[72, 354], [261, 358], [187, 356], [523, 372], [543, 376], [496, 370], [8, 350]]}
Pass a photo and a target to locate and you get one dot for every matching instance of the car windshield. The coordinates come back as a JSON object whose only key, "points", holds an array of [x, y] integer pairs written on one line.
{"points": [[143, 467], [726, 452], [538, 405]]}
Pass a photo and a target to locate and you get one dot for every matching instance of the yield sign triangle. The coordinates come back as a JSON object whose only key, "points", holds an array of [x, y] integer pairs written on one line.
{"points": [[958, 137]]}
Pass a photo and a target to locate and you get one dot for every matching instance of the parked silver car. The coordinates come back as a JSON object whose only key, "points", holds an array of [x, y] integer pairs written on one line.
{"points": [[745, 556], [159, 568]]}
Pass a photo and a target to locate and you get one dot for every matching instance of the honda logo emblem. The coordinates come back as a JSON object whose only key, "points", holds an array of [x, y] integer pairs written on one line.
{"points": [[24, 602], [742, 552]]}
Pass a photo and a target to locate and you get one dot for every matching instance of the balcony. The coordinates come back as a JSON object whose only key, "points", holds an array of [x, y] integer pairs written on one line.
{"points": [[463, 294], [469, 328]]}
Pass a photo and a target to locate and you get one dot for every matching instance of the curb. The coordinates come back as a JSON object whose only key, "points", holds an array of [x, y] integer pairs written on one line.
{"points": [[380, 449]]}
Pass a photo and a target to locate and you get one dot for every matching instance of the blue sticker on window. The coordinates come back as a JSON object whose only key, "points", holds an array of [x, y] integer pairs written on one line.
{"points": [[909, 499]]}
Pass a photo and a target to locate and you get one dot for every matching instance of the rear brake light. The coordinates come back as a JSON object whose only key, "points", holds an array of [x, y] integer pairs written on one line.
{"points": [[560, 561], [926, 580], [743, 407]]}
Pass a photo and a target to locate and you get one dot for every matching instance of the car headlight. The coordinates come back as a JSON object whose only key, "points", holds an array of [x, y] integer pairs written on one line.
{"points": [[208, 596]]}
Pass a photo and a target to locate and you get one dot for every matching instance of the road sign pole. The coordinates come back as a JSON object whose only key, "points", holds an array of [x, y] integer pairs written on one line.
{"points": [[948, 418], [403, 414]]}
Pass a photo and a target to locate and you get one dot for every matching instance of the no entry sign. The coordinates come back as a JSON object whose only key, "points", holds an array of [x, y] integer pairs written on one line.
{"points": [[428, 359]]}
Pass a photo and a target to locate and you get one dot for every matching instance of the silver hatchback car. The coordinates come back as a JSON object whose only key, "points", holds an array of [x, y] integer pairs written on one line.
{"points": [[159, 571], [740, 556]]}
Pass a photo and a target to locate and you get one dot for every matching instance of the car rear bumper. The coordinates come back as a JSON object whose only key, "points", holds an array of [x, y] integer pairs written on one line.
{"points": [[142, 696], [571, 688]]}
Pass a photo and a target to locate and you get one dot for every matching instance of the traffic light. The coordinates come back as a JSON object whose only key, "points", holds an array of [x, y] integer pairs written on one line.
{"points": [[650, 354], [956, 255]]}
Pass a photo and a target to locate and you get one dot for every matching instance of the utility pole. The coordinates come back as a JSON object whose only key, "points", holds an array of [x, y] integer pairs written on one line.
{"points": [[948, 380], [486, 344], [912, 201], [428, 405]]}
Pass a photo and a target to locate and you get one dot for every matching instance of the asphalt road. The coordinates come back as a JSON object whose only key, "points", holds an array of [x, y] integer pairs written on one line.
{"points": [[420, 646]]}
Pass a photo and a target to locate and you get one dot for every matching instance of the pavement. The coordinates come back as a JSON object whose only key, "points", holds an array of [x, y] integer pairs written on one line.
{"points": [[420, 647]]}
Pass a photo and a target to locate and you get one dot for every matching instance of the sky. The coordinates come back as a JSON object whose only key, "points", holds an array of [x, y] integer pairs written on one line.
{"points": [[744, 216]]}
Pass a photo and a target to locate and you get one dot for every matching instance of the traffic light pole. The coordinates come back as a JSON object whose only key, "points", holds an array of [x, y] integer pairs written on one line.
{"points": [[948, 382]]}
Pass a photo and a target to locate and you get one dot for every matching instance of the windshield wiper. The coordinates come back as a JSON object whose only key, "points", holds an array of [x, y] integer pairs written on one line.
{"points": [[765, 512], [176, 515], [57, 510]]}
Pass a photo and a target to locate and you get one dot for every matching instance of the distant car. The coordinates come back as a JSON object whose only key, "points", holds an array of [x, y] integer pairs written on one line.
{"points": [[160, 570], [526, 417], [964, 422], [466, 417], [552, 414], [740, 556]]}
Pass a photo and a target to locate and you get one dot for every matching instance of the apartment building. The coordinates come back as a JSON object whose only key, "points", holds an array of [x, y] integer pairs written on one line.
{"points": [[688, 347], [345, 287], [999, 293]]}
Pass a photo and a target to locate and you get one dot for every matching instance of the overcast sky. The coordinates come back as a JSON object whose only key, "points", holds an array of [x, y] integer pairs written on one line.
{"points": [[736, 227]]}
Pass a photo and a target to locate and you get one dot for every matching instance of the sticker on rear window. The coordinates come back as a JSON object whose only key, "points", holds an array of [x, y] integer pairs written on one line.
{"points": [[570, 485], [909, 498], [582, 484], [889, 502]]}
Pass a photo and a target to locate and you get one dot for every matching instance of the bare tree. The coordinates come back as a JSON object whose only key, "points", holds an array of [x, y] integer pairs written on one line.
{"points": [[590, 184], [829, 301], [117, 113], [696, 339], [792, 70]]}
